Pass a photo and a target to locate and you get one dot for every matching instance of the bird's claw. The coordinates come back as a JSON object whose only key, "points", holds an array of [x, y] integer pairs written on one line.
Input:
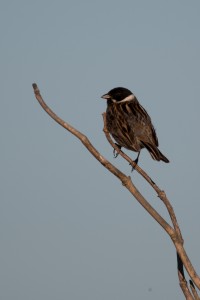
{"points": [[135, 163], [115, 153]]}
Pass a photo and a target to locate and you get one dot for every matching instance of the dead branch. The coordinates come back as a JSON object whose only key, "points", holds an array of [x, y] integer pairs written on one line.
{"points": [[174, 232]]}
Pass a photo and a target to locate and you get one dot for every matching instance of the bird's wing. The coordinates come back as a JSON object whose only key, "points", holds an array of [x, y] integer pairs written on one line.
{"points": [[140, 122]]}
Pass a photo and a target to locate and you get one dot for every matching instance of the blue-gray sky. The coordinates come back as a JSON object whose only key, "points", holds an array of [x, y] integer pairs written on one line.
{"points": [[69, 230]]}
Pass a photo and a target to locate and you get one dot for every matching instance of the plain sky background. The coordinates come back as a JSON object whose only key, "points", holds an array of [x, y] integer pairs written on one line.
{"points": [[69, 230]]}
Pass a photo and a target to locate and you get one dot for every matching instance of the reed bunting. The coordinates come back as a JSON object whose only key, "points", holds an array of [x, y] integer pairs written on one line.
{"points": [[129, 123]]}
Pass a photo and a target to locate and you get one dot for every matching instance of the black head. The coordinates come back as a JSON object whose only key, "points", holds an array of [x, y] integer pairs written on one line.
{"points": [[117, 94]]}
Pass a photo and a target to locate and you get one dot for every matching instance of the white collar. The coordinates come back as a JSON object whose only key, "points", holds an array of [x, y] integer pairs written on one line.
{"points": [[127, 99]]}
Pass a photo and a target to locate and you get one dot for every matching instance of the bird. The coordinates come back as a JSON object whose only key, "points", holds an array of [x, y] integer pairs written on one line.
{"points": [[130, 125]]}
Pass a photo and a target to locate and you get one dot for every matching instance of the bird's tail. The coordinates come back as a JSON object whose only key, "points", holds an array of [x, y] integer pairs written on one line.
{"points": [[155, 152], [162, 157]]}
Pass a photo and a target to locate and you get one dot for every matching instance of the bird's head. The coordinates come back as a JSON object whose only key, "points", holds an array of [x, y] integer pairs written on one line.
{"points": [[119, 95]]}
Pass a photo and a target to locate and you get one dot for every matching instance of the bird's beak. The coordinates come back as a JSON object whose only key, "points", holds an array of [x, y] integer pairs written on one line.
{"points": [[106, 96]]}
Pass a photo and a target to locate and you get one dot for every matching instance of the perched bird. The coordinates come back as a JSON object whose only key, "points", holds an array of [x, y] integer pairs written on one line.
{"points": [[129, 123]]}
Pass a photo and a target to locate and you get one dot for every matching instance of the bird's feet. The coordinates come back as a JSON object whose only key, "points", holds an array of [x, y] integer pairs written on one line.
{"points": [[115, 153], [135, 162]]}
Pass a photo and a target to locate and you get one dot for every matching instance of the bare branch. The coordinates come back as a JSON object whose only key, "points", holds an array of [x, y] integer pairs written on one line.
{"points": [[175, 233]]}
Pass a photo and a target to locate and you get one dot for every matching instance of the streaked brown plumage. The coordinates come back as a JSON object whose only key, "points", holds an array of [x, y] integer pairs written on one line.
{"points": [[129, 123]]}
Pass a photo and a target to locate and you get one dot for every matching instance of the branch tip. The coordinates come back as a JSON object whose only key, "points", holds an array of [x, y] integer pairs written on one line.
{"points": [[35, 88]]}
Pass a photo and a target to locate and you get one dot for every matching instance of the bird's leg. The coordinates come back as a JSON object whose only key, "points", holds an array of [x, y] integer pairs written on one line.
{"points": [[135, 161], [137, 158], [114, 151]]}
